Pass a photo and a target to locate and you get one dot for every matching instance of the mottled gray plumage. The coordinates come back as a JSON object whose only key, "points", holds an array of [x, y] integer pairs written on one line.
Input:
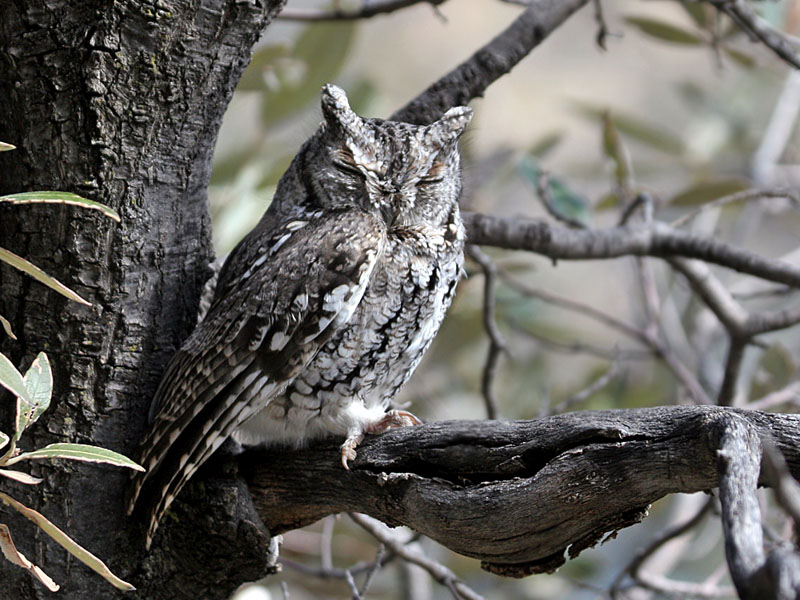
{"points": [[325, 309]]}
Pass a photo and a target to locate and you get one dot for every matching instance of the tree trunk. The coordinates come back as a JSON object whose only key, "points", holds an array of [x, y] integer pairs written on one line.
{"points": [[119, 102]]}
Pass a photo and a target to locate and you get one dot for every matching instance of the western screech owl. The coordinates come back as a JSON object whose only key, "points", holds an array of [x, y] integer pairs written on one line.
{"points": [[325, 308]]}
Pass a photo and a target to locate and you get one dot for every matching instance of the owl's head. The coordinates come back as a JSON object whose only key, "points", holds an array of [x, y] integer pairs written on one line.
{"points": [[407, 174]]}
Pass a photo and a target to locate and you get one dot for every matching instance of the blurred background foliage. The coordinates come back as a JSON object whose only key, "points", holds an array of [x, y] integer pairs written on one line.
{"points": [[680, 106]]}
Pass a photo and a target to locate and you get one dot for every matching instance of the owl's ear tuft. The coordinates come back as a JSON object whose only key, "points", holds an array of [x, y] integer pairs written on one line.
{"points": [[336, 109], [450, 126]]}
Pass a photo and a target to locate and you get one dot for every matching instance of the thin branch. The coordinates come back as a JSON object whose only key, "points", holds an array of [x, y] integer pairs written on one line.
{"points": [[743, 196], [496, 343], [647, 338], [471, 78], [752, 24], [546, 198], [632, 568], [680, 590], [591, 389], [656, 239], [788, 394], [787, 490], [439, 572], [367, 11], [602, 28]]}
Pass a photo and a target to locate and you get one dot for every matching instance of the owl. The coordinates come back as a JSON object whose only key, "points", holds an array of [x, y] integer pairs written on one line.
{"points": [[325, 308]]}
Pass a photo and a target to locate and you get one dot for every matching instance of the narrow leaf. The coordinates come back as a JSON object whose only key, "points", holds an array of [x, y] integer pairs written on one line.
{"points": [[4, 439], [18, 558], [11, 379], [706, 191], [664, 31], [6, 147], [636, 129], [616, 151], [39, 275], [70, 545], [7, 327], [82, 452], [39, 383], [60, 198], [20, 477]]}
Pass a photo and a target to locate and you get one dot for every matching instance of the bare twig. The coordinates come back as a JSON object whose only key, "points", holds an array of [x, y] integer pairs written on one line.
{"points": [[648, 338], [656, 239], [753, 25], [743, 196], [632, 568], [367, 11], [496, 343], [591, 389], [374, 570], [680, 590], [787, 490], [602, 28], [439, 572], [788, 394], [778, 132], [546, 198]]}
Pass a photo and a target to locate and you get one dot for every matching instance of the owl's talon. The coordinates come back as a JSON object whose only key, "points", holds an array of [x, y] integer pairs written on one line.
{"points": [[349, 448], [394, 418]]}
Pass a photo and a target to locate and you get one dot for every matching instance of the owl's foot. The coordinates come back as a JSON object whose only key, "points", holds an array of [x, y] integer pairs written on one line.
{"points": [[393, 418]]}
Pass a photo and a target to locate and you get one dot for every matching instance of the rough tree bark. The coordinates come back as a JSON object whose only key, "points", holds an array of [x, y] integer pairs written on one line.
{"points": [[120, 102]]}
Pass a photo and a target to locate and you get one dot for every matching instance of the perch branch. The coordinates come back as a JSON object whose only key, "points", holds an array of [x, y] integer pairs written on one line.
{"points": [[515, 495]]}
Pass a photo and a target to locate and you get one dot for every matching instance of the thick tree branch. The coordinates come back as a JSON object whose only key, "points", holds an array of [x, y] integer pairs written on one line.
{"points": [[471, 78], [656, 239], [755, 574], [367, 11], [515, 495]]}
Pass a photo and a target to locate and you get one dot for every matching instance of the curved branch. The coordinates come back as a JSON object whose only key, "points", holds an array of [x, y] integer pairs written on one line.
{"points": [[517, 494], [641, 239], [471, 78]]}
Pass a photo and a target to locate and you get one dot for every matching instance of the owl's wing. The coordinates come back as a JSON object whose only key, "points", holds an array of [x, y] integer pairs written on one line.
{"points": [[260, 332]]}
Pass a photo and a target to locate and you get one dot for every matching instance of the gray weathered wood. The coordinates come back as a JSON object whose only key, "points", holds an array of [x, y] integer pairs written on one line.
{"points": [[513, 494]]}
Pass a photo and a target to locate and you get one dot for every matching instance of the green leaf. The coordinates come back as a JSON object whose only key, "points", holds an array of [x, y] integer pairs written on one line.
{"points": [[70, 545], [60, 198], [39, 383], [616, 151], [18, 558], [700, 13], [6, 147], [706, 191], [20, 477], [7, 327], [320, 52], [564, 200], [4, 439], [27, 267], [82, 452], [546, 144], [636, 129], [740, 58], [664, 31], [11, 379]]}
